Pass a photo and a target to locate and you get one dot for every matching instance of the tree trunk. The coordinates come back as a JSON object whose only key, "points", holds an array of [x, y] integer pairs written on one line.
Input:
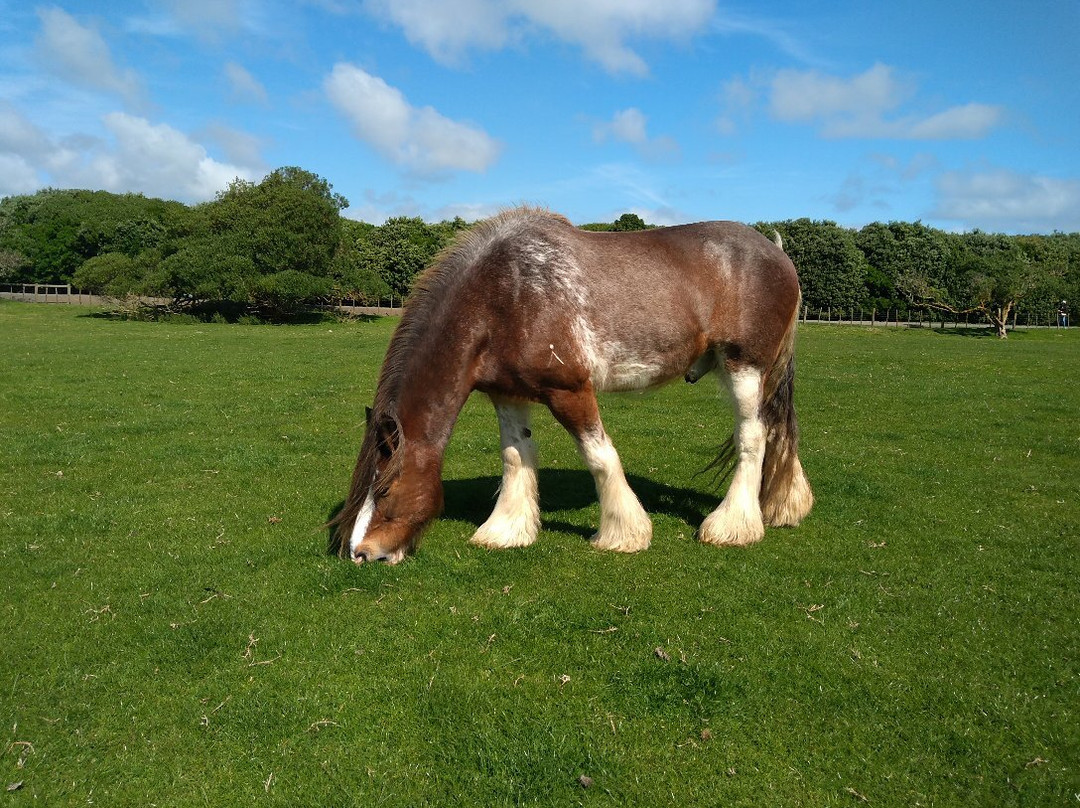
{"points": [[999, 318]]}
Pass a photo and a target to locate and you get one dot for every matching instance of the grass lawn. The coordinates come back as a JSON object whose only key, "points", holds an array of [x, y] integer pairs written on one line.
{"points": [[173, 633]]}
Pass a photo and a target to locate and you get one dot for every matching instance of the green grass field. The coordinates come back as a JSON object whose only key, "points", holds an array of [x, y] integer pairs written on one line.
{"points": [[173, 632]]}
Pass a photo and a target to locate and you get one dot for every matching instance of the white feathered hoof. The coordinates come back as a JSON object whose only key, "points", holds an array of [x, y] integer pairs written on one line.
{"points": [[503, 532], [732, 527], [629, 532]]}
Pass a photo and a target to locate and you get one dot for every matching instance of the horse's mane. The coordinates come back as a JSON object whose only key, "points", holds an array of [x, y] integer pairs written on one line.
{"points": [[430, 298]]}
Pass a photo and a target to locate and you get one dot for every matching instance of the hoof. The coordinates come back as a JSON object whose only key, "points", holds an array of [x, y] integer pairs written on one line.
{"points": [[625, 538], [502, 534], [728, 529]]}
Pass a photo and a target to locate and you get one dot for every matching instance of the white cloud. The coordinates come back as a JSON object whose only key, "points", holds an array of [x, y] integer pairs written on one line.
{"points": [[135, 156], [17, 176], [243, 86], [919, 165], [601, 27], [238, 147], [159, 160], [469, 211], [731, 22], [871, 105], [967, 122], [447, 29], [20, 136], [629, 126], [877, 181], [737, 99], [24, 150], [417, 138], [999, 199], [209, 19], [80, 55], [634, 187], [376, 207], [665, 216], [809, 96]]}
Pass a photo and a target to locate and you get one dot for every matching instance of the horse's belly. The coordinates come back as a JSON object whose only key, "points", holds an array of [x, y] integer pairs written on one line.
{"points": [[615, 367], [620, 376], [646, 358]]}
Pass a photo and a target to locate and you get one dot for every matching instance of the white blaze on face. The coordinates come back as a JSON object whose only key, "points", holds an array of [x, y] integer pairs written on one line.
{"points": [[363, 520]]}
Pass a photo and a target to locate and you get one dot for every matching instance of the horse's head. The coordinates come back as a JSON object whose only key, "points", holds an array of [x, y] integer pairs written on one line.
{"points": [[396, 492]]}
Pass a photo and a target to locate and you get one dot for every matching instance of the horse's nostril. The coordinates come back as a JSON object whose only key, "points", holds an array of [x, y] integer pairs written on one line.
{"points": [[360, 556]]}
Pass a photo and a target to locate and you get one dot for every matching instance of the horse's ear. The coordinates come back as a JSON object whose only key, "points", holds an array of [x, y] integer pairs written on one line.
{"points": [[388, 436]]}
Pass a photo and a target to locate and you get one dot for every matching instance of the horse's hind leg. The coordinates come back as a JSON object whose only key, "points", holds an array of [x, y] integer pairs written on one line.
{"points": [[624, 525], [738, 519], [515, 521]]}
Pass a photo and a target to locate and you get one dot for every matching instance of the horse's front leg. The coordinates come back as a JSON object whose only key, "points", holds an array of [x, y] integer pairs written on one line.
{"points": [[624, 525], [738, 519], [515, 521]]}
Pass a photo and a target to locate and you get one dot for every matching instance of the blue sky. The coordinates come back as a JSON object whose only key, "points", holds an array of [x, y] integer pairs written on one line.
{"points": [[960, 114]]}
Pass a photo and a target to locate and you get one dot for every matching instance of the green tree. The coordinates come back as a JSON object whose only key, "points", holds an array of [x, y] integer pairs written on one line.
{"points": [[1058, 258], [628, 222], [270, 245], [625, 223], [354, 277], [894, 249], [12, 265], [993, 275], [206, 268], [56, 231], [114, 274], [403, 247], [289, 221], [832, 270]]}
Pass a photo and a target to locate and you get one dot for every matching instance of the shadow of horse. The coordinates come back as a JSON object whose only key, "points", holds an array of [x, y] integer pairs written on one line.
{"points": [[471, 500]]}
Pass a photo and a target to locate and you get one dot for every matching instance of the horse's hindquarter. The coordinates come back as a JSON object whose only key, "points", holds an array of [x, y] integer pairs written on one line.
{"points": [[660, 298]]}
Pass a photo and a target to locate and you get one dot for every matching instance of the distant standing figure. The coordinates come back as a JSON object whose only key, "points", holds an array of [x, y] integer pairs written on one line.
{"points": [[1063, 314]]}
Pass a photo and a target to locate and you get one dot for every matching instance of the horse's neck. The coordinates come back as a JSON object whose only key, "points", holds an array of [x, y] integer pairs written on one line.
{"points": [[433, 390]]}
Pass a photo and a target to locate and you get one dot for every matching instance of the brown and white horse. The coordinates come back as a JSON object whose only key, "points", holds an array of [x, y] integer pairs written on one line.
{"points": [[529, 309]]}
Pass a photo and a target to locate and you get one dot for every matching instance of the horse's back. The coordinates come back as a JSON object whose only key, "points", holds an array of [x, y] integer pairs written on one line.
{"points": [[639, 308]]}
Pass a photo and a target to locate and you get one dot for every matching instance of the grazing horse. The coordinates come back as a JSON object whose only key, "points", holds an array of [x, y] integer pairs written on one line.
{"points": [[527, 308]]}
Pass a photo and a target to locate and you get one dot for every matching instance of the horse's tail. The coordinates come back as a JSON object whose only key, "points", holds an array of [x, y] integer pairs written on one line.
{"points": [[785, 492]]}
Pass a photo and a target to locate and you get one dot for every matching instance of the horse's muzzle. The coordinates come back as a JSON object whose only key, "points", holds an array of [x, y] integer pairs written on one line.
{"points": [[363, 555]]}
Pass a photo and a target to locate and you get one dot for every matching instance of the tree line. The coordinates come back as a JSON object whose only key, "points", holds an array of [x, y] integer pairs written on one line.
{"points": [[281, 244]]}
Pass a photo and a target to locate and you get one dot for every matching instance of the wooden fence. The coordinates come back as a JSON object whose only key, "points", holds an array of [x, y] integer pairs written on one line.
{"points": [[49, 293], [926, 319]]}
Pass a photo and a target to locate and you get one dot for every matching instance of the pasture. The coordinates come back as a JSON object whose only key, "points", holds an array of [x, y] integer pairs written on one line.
{"points": [[174, 633]]}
